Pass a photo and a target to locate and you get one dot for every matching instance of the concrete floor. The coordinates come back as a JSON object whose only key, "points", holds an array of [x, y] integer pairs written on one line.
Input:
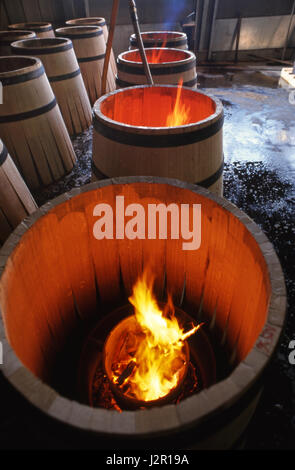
{"points": [[259, 177]]}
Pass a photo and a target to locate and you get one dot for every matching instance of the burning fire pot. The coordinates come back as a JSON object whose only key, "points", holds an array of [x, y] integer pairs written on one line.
{"points": [[84, 319], [159, 130], [168, 66]]}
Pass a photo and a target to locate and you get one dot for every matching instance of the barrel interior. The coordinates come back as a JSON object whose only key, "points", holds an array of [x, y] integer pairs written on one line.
{"points": [[59, 281], [150, 106], [13, 63], [157, 55]]}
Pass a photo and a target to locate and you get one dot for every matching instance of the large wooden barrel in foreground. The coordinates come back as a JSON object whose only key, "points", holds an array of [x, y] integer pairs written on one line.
{"points": [[90, 47], [56, 278], [42, 29], [168, 66], [16, 201], [96, 21], [132, 136], [31, 124], [64, 75], [174, 39], [8, 37]]}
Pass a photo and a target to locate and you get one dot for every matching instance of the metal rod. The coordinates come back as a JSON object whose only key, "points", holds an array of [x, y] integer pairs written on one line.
{"points": [[134, 18], [288, 32], [109, 46], [216, 3], [239, 25]]}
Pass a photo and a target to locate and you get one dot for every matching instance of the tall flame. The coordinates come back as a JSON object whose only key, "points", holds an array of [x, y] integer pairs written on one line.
{"points": [[159, 357], [157, 54], [181, 112]]}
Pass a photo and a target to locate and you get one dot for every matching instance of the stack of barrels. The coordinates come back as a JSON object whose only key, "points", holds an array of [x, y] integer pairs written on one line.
{"points": [[49, 82]]}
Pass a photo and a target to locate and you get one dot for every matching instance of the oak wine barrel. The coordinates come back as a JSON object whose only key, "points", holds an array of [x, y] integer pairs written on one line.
{"points": [[8, 37], [16, 201], [233, 283], [132, 136], [63, 72], [96, 21], [90, 47], [42, 29], [168, 66], [31, 124], [174, 39]]}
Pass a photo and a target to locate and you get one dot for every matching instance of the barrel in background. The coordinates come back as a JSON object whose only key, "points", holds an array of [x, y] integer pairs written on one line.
{"points": [[63, 72], [96, 21], [31, 124], [90, 47], [168, 66]]}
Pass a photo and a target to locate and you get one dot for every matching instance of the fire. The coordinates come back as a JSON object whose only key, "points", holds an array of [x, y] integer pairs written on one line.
{"points": [[181, 112], [157, 54], [153, 358]]}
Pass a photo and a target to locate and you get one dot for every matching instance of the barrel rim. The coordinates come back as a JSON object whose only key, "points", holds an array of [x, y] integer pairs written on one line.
{"points": [[99, 19], [180, 34], [23, 45], [17, 32], [144, 130], [68, 31], [39, 26], [225, 394], [191, 57], [36, 65]]}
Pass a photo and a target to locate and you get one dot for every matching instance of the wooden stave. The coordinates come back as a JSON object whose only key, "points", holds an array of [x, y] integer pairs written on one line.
{"points": [[55, 156], [145, 147], [245, 378], [169, 73], [90, 57], [67, 85]]}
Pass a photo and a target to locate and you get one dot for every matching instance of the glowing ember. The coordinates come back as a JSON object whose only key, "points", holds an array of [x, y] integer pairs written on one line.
{"points": [[150, 358], [180, 115]]}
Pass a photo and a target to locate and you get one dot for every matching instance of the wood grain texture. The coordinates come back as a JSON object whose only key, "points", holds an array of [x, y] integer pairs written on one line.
{"points": [[89, 46], [43, 151], [63, 72]]}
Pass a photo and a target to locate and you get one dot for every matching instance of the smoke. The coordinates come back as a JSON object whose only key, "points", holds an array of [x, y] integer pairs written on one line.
{"points": [[175, 11]]}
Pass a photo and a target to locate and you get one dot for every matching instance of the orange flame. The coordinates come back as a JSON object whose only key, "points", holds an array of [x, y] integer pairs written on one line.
{"points": [[158, 361], [181, 112], [157, 54]]}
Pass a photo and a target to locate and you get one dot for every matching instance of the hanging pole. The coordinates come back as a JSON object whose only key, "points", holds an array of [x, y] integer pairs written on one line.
{"points": [[135, 22], [109, 46]]}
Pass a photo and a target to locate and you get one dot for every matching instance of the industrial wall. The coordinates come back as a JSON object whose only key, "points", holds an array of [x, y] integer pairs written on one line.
{"points": [[264, 24]]}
